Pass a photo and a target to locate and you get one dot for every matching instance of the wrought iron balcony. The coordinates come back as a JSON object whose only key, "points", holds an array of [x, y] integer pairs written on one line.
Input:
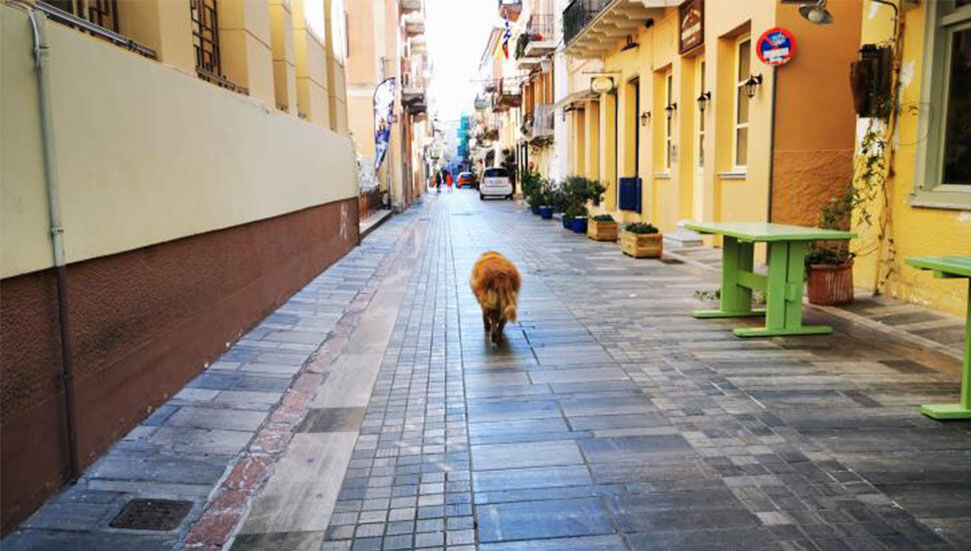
{"points": [[578, 14], [540, 34]]}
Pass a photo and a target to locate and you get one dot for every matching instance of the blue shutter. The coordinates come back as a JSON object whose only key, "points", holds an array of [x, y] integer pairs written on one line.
{"points": [[630, 194]]}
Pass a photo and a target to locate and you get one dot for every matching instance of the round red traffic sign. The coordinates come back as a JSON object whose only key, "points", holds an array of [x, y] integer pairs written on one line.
{"points": [[776, 46]]}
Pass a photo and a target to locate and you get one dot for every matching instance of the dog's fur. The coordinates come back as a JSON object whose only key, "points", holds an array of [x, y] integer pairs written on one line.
{"points": [[495, 283]]}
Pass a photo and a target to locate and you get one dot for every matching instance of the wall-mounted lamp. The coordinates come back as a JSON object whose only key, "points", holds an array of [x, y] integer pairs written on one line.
{"points": [[645, 118], [703, 100], [817, 14], [751, 84], [670, 109], [630, 45]]}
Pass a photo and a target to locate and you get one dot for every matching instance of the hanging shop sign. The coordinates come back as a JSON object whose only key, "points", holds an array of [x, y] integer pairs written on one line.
{"points": [[691, 21], [776, 46], [601, 85]]}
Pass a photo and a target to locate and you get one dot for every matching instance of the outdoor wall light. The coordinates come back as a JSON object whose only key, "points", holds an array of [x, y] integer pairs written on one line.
{"points": [[703, 100], [751, 84], [670, 109], [817, 14], [645, 118]]}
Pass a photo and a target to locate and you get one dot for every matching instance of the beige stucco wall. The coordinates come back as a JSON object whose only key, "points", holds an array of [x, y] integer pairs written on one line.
{"points": [[151, 157]]}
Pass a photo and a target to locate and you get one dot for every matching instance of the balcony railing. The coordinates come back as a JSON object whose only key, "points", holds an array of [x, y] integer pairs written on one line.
{"points": [[578, 14], [540, 27], [543, 120], [95, 21]]}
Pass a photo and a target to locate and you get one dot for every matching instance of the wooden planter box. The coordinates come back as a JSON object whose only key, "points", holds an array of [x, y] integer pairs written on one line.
{"points": [[642, 245], [602, 231]]}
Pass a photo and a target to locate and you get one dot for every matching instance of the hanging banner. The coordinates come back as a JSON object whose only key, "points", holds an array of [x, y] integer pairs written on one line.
{"points": [[775, 46], [691, 21], [383, 118]]}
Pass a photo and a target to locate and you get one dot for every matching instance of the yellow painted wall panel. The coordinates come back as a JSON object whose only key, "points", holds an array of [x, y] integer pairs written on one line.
{"points": [[916, 231], [154, 157]]}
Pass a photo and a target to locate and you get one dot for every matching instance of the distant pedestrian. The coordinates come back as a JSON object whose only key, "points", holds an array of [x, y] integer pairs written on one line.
{"points": [[448, 180]]}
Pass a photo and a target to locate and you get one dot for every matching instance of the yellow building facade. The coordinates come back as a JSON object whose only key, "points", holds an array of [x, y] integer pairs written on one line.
{"points": [[695, 122], [923, 206]]}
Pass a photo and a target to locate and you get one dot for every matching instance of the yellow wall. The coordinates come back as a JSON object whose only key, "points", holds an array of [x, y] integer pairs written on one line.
{"points": [[311, 62], [284, 69], [245, 50], [916, 231], [149, 158]]}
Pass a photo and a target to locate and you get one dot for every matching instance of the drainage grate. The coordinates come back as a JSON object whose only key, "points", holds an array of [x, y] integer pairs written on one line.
{"points": [[151, 514], [671, 261]]}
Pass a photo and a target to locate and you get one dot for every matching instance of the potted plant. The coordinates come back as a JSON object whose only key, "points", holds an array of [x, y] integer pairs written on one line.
{"points": [[578, 219], [641, 240], [829, 264], [546, 212], [602, 227]]}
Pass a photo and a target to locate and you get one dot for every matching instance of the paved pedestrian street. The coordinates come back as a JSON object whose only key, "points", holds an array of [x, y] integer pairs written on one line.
{"points": [[608, 419]]}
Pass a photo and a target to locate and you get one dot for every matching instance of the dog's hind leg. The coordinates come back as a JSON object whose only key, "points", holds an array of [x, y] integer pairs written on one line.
{"points": [[485, 322]]}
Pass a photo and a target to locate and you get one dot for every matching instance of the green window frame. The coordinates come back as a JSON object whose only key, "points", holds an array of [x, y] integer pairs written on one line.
{"points": [[943, 20]]}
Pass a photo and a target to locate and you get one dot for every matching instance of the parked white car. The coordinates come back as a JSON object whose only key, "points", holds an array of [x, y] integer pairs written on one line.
{"points": [[495, 183]]}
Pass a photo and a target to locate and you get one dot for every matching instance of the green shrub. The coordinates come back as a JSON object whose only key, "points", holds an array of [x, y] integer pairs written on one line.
{"points": [[574, 211], [641, 228], [603, 218], [837, 215]]}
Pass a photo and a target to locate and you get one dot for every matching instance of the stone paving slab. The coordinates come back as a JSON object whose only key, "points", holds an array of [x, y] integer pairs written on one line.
{"points": [[613, 420], [608, 419]]}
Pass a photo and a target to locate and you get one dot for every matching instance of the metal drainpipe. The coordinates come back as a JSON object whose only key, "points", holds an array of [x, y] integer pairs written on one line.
{"points": [[41, 53]]}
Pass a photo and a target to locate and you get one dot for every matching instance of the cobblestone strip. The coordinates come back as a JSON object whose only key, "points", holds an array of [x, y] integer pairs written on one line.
{"points": [[227, 507], [408, 483]]}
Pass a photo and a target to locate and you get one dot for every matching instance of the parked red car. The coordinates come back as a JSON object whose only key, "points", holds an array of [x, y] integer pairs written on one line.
{"points": [[465, 180]]}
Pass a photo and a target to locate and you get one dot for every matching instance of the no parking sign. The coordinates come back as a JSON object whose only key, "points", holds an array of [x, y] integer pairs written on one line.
{"points": [[776, 46]]}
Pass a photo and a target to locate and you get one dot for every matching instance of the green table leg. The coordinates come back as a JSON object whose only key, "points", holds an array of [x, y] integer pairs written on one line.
{"points": [[783, 295], [736, 300], [961, 410]]}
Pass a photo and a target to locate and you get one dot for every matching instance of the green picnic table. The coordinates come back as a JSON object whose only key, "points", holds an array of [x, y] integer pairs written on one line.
{"points": [[782, 286], [951, 267]]}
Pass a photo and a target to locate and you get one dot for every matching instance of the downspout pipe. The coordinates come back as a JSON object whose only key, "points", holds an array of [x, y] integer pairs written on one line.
{"points": [[41, 55]]}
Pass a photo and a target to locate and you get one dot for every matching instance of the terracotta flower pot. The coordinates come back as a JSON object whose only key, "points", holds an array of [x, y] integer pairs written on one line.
{"points": [[831, 285]]}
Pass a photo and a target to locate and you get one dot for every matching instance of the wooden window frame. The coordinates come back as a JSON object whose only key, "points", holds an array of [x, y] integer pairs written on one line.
{"points": [[739, 90], [929, 190]]}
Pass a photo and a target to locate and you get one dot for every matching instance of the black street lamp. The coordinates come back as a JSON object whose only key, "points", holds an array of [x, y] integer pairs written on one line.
{"points": [[703, 100]]}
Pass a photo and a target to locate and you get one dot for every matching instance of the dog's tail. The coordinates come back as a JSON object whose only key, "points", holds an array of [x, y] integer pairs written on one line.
{"points": [[507, 302]]}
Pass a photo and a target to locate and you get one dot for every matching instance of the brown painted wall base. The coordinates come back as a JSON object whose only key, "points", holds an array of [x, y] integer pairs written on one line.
{"points": [[143, 323]]}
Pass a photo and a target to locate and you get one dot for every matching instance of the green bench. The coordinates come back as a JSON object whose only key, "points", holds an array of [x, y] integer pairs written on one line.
{"points": [[951, 267], [783, 286]]}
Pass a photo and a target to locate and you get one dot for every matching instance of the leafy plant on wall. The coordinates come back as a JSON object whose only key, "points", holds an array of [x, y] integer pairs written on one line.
{"points": [[873, 171]]}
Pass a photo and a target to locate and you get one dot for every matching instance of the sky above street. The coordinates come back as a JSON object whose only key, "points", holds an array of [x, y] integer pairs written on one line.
{"points": [[457, 31]]}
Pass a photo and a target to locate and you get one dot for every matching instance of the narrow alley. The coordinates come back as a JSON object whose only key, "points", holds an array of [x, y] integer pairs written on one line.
{"points": [[608, 419]]}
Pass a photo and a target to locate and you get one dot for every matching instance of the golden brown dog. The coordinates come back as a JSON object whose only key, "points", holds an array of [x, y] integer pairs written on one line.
{"points": [[495, 283]]}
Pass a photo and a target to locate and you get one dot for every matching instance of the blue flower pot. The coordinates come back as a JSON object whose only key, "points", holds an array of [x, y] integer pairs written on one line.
{"points": [[534, 209], [546, 213], [579, 225], [567, 222]]}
